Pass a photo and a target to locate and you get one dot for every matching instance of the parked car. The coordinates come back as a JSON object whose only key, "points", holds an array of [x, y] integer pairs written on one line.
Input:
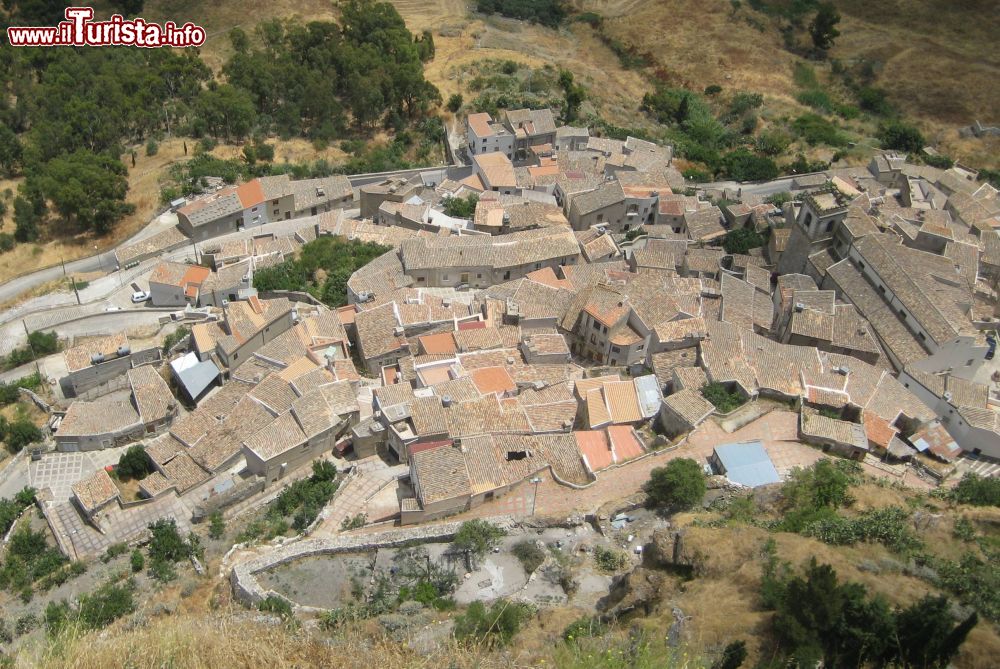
{"points": [[140, 296]]}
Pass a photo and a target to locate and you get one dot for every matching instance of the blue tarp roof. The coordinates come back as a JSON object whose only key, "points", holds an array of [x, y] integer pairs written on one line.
{"points": [[747, 464]]}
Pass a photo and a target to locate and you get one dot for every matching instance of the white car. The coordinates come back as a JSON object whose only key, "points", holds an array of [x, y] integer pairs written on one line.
{"points": [[140, 296]]}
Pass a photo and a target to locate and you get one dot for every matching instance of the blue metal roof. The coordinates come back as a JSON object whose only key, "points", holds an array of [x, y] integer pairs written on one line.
{"points": [[747, 464], [193, 375]]}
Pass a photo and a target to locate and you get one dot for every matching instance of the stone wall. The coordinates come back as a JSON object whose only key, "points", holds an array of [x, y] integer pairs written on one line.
{"points": [[248, 589]]}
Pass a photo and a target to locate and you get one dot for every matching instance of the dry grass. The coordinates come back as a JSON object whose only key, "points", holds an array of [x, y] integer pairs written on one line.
{"points": [[938, 61], [227, 639]]}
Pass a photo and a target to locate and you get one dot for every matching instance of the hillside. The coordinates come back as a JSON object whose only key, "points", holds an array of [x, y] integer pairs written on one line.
{"points": [[702, 584]]}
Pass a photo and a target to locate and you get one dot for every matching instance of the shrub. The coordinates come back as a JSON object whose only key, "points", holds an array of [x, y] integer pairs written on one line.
{"points": [[134, 464], [679, 485], [977, 490], [742, 165], [817, 99], [724, 400], [22, 432], [815, 129], [582, 628], [530, 555], [888, 526], [174, 337], [874, 100], [494, 626], [113, 551], [166, 543], [276, 604], [609, 559], [152, 147], [713, 89], [354, 522], [137, 561], [216, 525], [696, 175], [939, 161], [901, 136], [477, 536], [455, 102], [7, 242], [106, 604], [25, 624]]}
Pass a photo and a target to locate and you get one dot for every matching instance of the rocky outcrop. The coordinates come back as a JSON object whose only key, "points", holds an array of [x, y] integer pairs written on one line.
{"points": [[634, 593]]}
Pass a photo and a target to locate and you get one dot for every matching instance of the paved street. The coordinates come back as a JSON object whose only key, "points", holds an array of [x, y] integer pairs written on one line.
{"points": [[118, 524], [777, 430], [59, 471]]}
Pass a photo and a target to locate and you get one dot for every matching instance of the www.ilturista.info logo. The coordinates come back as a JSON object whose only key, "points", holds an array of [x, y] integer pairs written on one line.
{"points": [[79, 30]]}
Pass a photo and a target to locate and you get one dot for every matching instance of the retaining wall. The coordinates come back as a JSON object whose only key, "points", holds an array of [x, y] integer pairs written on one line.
{"points": [[248, 589]]}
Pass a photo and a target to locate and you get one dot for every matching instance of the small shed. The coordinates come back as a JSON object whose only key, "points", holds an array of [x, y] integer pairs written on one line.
{"points": [[745, 463]]}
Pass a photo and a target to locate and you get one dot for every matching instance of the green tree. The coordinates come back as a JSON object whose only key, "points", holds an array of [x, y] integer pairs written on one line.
{"points": [[741, 240], [901, 136], [461, 207], [227, 111], [10, 151], [977, 490], [477, 536], [455, 102], [680, 485], [742, 165], [574, 96], [87, 189], [21, 433], [823, 28], [134, 463], [927, 636]]}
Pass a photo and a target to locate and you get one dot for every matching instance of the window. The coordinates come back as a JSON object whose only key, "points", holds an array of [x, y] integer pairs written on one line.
{"points": [[479, 276], [829, 226], [593, 339], [600, 218], [538, 265], [605, 329], [274, 202], [254, 209], [597, 326], [615, 349], [313, 211], [444, 278], [275, 212]]}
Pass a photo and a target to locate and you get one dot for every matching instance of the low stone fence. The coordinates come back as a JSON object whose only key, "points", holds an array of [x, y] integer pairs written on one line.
{"points": [[35, 399], [248, 589]]}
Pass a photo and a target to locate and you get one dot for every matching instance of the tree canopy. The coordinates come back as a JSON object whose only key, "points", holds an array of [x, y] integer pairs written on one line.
{"points": [[823, 28], [679, 485]]}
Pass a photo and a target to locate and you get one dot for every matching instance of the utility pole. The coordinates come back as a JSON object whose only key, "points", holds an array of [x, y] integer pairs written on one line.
{"points": [[28, 336], [63, 261], [99, 258], [73, 281]]}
